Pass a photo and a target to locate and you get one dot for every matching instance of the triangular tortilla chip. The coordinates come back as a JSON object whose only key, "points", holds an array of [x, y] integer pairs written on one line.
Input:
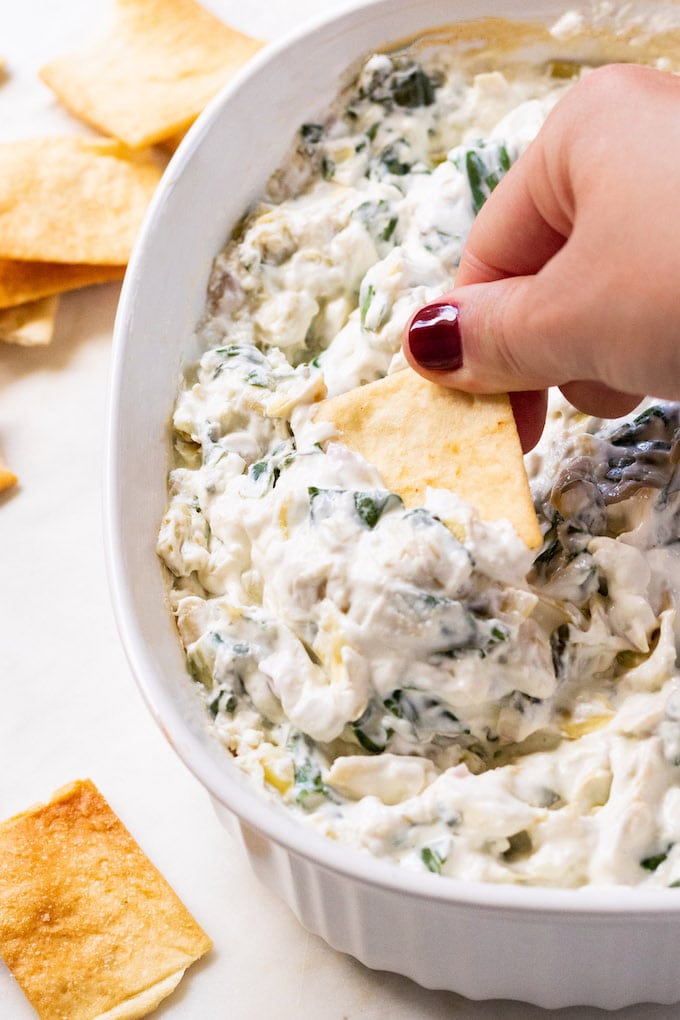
{"points": [[27, 281], [418, 434], [30, 325], [69, 199], [88, 926], [153, 72]]}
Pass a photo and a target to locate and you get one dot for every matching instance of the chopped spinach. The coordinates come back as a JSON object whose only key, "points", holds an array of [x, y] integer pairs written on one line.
{"points": [[370, 506], [367, 742], [656, 423], [386, 234], [432, 859], [366, 302], [560, 648], [255, 378], [499, 633], [402, 83], [269, 470], [310, 789], [551, 542], [312, 133], [320, 501], [399, 704], [376, 218], [412, 88], [223, 700], [247, 351], [370, 730], [393, 162], [652, 863], [484, 164], [424, 717]]}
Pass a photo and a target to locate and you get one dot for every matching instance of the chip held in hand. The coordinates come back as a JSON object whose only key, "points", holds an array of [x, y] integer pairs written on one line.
{"points": [[419, 435]]}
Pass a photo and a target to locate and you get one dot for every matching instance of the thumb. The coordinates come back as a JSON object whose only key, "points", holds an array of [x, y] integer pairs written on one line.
{"points": [[522, 333]]}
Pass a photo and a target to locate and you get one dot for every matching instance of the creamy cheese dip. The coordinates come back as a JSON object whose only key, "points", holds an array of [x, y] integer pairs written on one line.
{"points": [[467, 708]]}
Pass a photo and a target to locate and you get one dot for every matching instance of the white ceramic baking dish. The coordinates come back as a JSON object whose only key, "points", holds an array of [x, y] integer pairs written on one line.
{"points": [[606, 946]]}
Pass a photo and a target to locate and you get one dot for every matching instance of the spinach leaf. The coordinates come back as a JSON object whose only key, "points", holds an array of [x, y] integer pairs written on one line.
{"points": [[366, 303], [403, 83], [370, 506], [392, 161], [652, 863], [223, 700], [375, 216], [311, 133], [484, 164], [369, 728], [412, 88], [310, 789], [432, 859]]}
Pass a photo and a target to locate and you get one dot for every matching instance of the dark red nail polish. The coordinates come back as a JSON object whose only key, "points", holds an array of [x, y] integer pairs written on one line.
{"points": [[434, 338]]}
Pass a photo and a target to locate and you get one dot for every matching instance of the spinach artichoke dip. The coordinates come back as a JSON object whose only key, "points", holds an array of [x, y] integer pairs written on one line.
{"points": [[467, 707]]}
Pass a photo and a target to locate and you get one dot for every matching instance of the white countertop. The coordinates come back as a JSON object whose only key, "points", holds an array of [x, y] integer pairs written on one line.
{"points": [[68, 704]]}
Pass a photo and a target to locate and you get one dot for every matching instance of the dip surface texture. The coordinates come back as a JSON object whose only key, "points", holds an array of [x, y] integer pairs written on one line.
{"points": [[438, 696]]}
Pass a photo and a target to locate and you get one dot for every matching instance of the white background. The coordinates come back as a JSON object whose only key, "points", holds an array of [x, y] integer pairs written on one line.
{"points": [[68, 704]]}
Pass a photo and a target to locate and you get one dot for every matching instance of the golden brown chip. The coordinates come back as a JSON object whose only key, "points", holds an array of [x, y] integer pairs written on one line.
{"points": [[418, 434], [7, 478], [29, 325], [88, 926], [27, 281], [71, 199], [153, 72], [172, 142]]}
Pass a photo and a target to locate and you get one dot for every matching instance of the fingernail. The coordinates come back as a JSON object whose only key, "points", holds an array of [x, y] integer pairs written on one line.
{"points": [[434, 338]]}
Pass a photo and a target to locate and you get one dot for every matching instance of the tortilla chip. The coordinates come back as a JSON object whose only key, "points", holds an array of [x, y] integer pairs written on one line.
{"points": [[418, 434], [172, 142], [71, 199], [88, 926], [153, 72], [29, 325], [7, 478], [26, 281]]}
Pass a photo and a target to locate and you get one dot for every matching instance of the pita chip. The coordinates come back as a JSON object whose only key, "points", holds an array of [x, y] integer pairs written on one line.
{"points": [[88, 927], [7, 478], [22, 281], [29, 325], [153, 72], [71, 199], [421, 435]]}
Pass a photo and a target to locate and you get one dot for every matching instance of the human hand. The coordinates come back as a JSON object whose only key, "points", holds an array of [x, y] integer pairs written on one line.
{"points": [[571, 272]]}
